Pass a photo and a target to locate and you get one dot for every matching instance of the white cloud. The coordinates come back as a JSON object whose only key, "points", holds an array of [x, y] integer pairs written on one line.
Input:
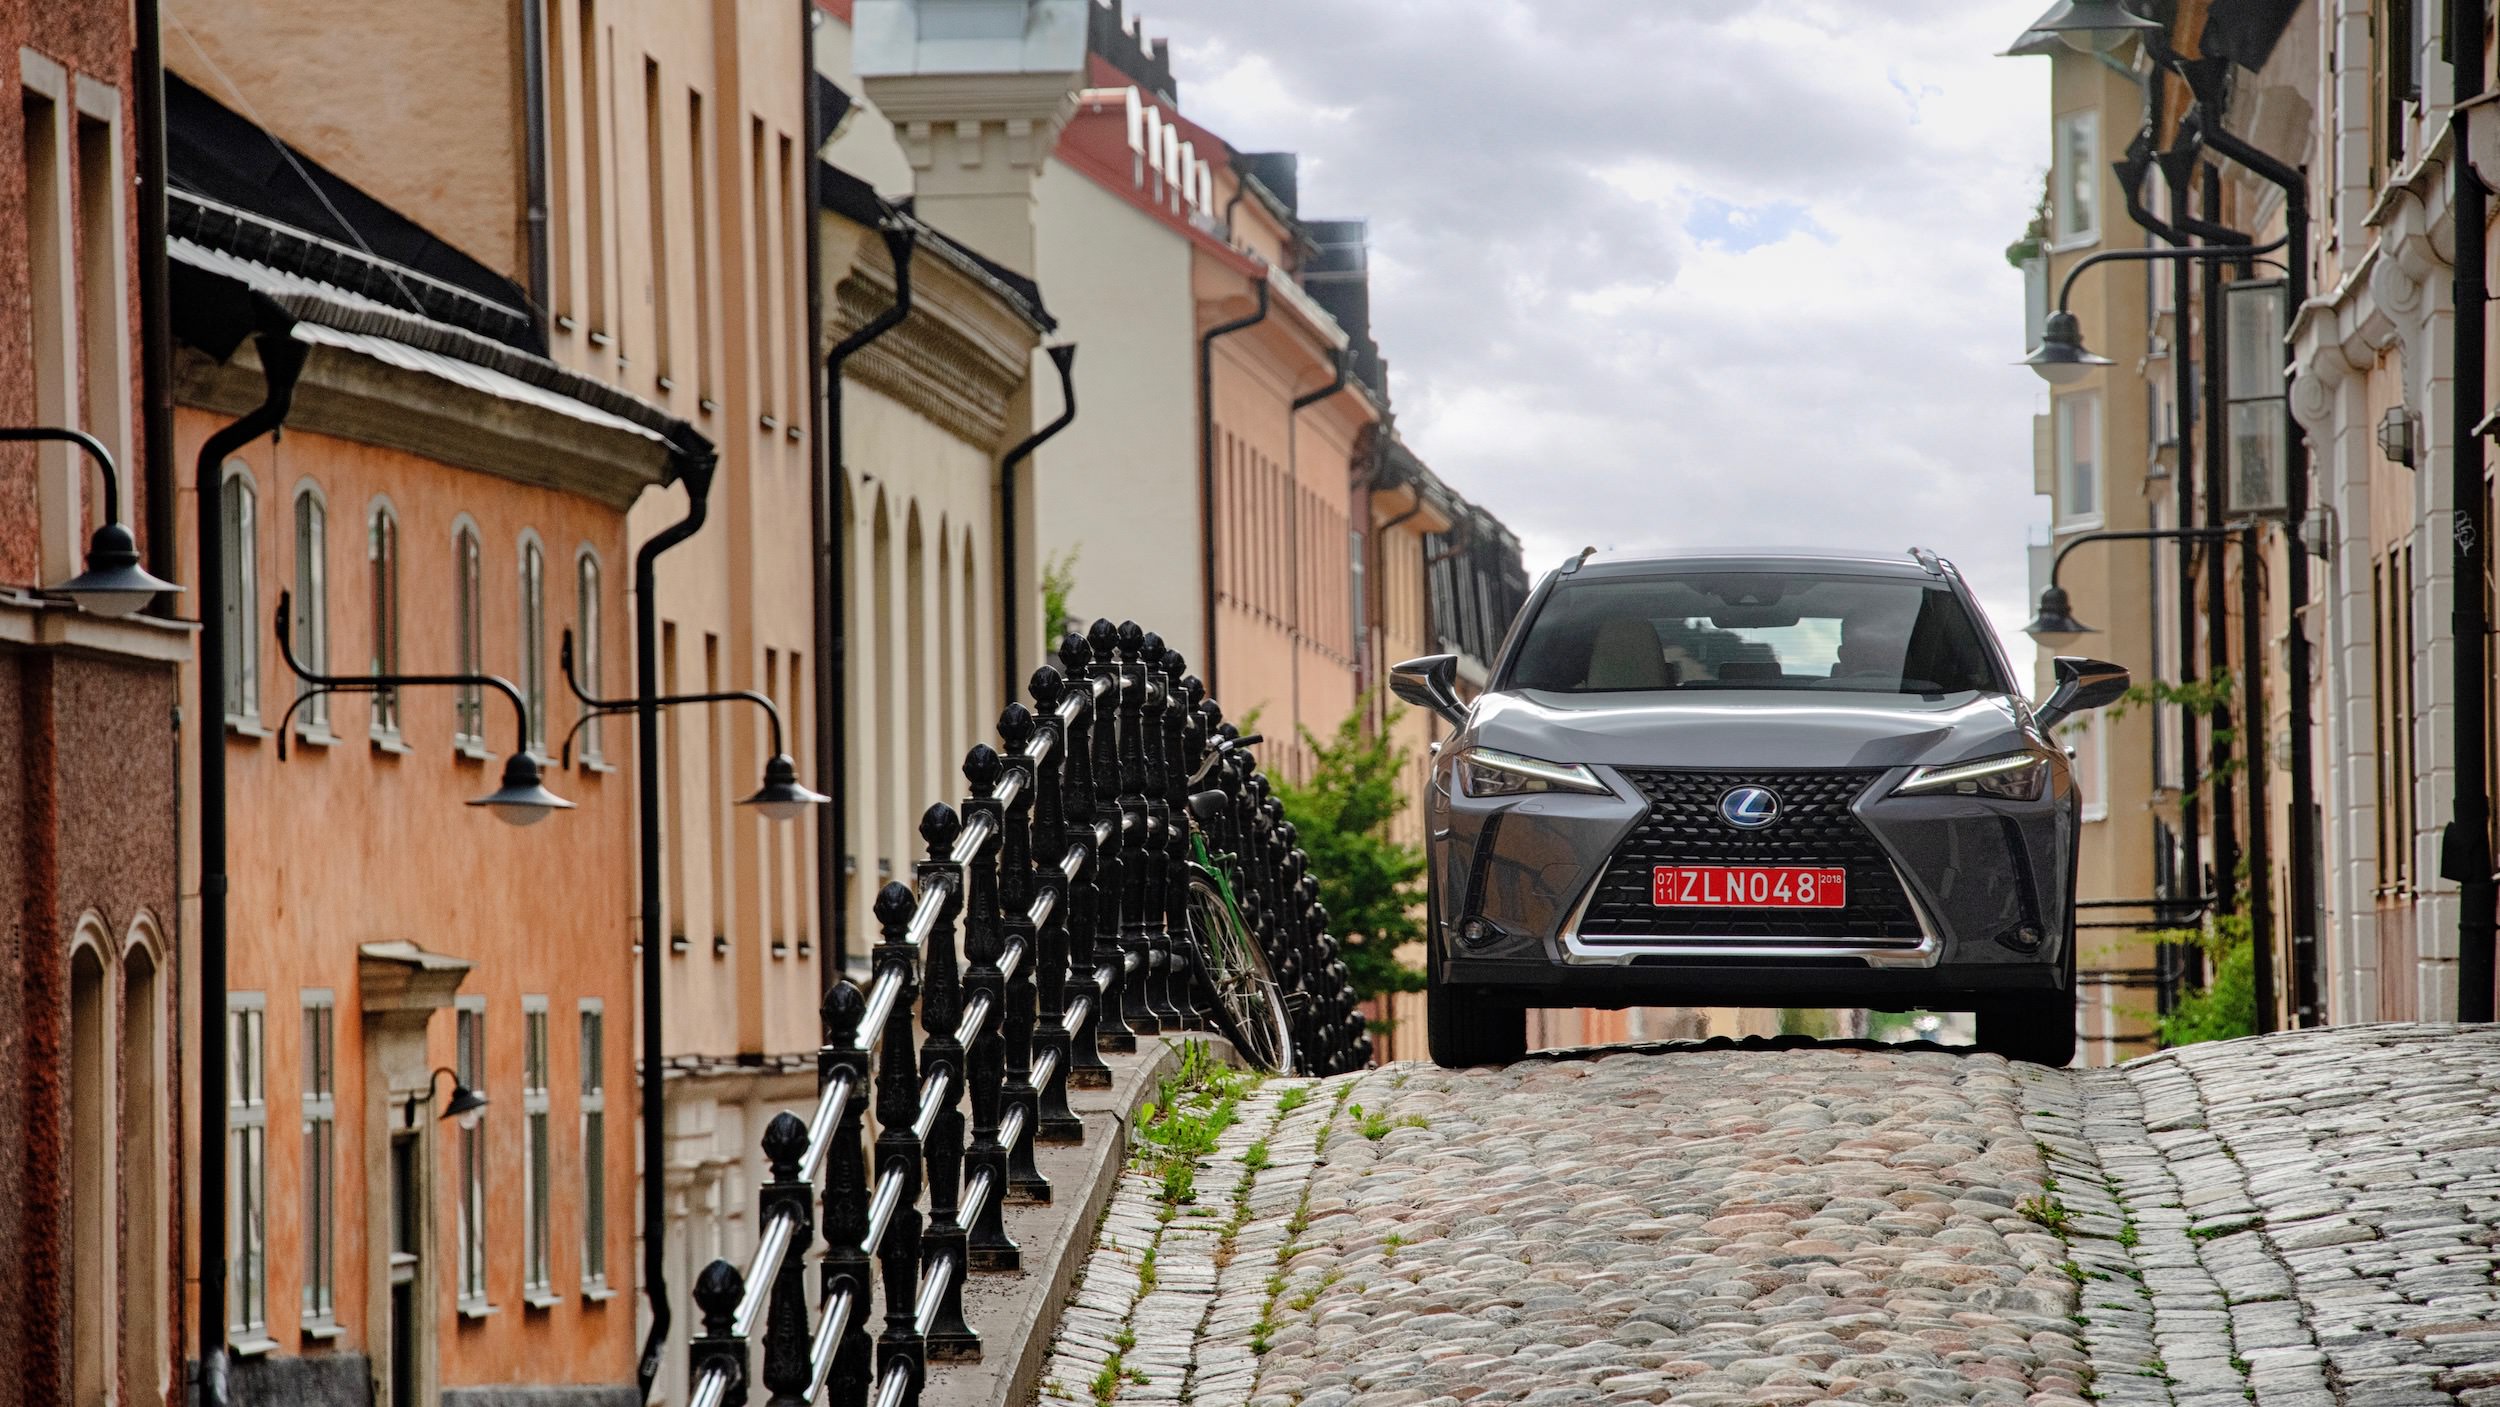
{"points": [[1709, 271]]}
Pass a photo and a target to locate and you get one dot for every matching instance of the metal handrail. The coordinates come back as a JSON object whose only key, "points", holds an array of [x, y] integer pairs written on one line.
{"points": [[762, 1270], [820, 1354], [829, 1107]]}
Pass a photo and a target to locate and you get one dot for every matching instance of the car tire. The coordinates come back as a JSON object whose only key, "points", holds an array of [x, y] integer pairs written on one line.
{"points": [[1467, 1028]]}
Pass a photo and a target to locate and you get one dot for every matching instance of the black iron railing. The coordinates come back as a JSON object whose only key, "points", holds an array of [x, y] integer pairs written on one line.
{"points": [[1065, 869]]}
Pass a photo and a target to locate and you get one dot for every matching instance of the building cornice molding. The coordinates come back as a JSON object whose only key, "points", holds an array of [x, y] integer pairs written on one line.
{"points": [[959, 360], [29, 621], [365, 399]]}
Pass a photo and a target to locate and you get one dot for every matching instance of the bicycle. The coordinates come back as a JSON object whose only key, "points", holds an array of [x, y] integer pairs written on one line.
{"points": [[1250, 1008]]}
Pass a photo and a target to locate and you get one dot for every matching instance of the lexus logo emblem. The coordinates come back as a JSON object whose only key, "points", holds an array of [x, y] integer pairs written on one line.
{"points": [[1749, 808]]}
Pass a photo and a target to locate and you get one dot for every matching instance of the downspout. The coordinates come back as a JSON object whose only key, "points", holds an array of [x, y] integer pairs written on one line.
{"points": [[692, 467], [2301, 835], [811, 192], [1062, 356], [1293, 519], [2217, 607], [833, 708], [156, 307], [2465, 848], [281, 362], [1206, 473], [534, 147]]}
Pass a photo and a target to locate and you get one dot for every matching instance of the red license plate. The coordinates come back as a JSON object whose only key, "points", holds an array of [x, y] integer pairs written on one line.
{"points": [[1749, 887]]}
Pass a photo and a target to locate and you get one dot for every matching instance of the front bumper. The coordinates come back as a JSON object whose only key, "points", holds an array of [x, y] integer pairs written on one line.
{"points": [[1979, 893]]}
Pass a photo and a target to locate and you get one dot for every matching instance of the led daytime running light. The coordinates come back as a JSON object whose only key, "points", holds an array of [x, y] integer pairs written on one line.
{"points": [[1552, 774], [1933, 778]]}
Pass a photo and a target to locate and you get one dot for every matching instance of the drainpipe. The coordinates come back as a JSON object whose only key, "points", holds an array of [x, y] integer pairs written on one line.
{"points": [[1062, 356], [811, 191], [833, 708], [2217, 609], [693, 467], [2465, 848], [156, 308], [534, 148], [2302, 872], [1206, 471], [1293, 519], [281, 361]]}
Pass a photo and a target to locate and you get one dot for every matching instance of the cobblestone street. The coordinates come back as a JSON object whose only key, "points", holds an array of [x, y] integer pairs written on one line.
{"points": [[2302, 1220]]}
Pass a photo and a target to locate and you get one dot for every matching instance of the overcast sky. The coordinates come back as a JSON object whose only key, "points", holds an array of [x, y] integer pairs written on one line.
{"points": [[1675, 272]]}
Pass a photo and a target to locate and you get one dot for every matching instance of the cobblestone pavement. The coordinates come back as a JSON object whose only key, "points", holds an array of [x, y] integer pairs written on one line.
{"points": [[2302, 1220]]}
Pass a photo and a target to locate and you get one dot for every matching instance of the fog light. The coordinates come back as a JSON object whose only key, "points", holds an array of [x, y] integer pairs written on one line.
{"points": [[2025, 939], [1476, 932]]}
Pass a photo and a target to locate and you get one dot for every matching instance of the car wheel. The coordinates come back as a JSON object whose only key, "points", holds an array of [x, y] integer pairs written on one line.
{"points": [[2040, 1029], [1466, 1028]]}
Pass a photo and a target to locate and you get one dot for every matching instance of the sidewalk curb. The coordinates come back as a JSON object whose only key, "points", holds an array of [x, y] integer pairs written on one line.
{"points": [[1017, 1315]]}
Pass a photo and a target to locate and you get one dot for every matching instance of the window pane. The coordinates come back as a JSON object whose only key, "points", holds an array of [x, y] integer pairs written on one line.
{"points": [[468, 701], [312, 601], [534, 641], [382, 564], [586, 647]]}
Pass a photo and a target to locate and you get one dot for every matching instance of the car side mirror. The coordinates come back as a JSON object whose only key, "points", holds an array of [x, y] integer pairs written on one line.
{"points": [[2082, 685], [1430, 682]]}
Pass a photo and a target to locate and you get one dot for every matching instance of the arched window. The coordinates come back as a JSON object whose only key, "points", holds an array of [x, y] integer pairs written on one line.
{"points": [[242, 613], [382, 581], [468, 587], [534, 638], [94, 1252], [586, 652], [312, 600], [144, 1200]]}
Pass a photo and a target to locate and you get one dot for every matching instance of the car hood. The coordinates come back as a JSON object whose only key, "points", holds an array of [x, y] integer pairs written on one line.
{"points": [[1746, 729]]}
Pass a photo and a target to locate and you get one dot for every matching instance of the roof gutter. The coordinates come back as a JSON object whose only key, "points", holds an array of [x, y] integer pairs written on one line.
{"points": [[1206, 470], [833, 710], [1062, 356]]}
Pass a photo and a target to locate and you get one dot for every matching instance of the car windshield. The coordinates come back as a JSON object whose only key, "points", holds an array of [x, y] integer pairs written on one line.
{"points": [[1753, 630]]}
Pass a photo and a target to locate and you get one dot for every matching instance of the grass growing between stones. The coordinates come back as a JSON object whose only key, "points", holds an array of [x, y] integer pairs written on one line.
{"points": [[1191, 1109], [1262, 1334]]}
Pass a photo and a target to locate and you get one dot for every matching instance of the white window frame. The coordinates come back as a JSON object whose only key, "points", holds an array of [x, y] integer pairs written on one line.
{"points": [[468, 591], [594, 1131], [589, 618], [238, 520], [2089, 737], [538, 1248], [532, 565], [2082, 408], [317, 1059], [247, 1172], [2063, 234], [312, 605], [469, 1067], [382, 598]]}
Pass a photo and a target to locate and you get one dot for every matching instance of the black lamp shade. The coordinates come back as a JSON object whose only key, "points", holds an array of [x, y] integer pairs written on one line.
{"points": [[783, 797], [2061, 359], [2056, 625], [523, 799], [466, 1105], [113, 584], [2093, 26]]}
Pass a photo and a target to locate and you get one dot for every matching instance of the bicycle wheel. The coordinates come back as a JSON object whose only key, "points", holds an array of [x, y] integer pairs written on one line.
{"points": [[1249, 1007]]}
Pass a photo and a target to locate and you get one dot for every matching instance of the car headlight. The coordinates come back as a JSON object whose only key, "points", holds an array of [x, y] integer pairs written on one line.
{"points": [[2020, 776], [1486, 773]]}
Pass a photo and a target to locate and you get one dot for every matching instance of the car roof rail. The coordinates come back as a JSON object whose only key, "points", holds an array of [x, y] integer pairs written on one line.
{"points": [[1574, 564], [1935, 565]]}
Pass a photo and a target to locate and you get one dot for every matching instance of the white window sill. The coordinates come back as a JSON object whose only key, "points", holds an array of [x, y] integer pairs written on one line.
{"points": [[471, 750], [598, 1294], [255, 1346], [2092, 814], [2074, 242], [389, 741], [318, 735], [598, 766], [245, 729], [541, 1300], [323, 1331], [477, 1309], [2079, 525]]}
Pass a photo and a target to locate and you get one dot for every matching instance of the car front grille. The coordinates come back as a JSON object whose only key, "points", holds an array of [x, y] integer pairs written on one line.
{"points": [[1815, 827]]}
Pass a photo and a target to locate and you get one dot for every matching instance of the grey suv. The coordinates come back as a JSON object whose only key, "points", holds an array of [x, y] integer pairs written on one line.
{"points": [[1752, 779]]}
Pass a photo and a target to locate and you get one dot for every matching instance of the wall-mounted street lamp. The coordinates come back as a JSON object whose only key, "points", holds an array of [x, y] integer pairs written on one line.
{"points": [[781, 798], [2395, 436], [113, 584], [466, 1105], [2093, 26], [2055, 626], [522, 799], [2061, 359]]}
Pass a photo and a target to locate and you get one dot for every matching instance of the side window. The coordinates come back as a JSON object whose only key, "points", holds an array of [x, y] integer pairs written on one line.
{"points": [[242, 615], [2079, 457], [382, 581], [586, 643], [312, 601], [468, 589], [2077, 177], [534, 638]]}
